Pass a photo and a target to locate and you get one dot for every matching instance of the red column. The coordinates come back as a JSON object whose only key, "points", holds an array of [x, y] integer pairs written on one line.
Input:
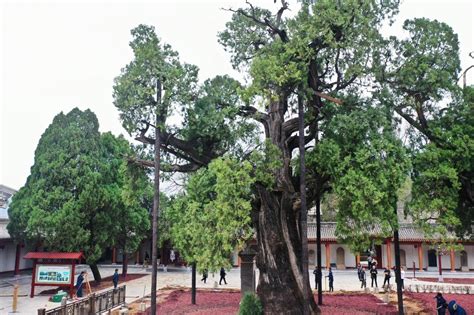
{"points": [[17, 259], [357, 260], [33, 279], [451, 254], [328, 255], [71, 287], [389, 254], [420, 257], [137, 257]]}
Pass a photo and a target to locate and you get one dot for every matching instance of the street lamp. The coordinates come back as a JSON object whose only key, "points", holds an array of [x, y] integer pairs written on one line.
{"points": [[464, 81]]}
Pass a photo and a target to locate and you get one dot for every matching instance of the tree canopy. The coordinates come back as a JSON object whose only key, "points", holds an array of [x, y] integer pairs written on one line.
{"points": [[356, 88], [75, 198]]}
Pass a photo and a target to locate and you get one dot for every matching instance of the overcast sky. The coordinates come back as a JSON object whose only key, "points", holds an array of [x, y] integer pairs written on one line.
{"points": [[57, 55]]}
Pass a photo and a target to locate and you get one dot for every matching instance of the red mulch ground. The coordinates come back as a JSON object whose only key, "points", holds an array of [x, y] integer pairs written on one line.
{"points": [[429, 302], [450, 280], [105, 283], [354, 303], [224, 303]]}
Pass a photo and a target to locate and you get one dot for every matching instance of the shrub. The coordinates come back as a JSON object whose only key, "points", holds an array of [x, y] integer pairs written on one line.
{"points": [[250, 305]]}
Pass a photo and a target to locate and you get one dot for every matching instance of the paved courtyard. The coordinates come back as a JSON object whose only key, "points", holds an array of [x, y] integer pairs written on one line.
{"points": [[343, 280]]}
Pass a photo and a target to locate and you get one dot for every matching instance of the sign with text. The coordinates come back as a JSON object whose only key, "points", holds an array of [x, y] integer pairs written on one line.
{"points": [[54, 274]]}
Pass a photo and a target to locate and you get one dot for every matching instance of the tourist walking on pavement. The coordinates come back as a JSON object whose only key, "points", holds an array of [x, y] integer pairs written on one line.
{"points": [[204, 275], [386, 280], [317, 275], [363, 278], [115, 278], [373, 276], [79, 284], [441, 304], [402, 278], [223, 274], [330, 277]]}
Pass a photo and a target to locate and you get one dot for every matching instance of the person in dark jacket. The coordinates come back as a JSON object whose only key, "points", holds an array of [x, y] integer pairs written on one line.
{"points": [[331, 280], [386, 280], [441, 304], [317, 275], [115, 278], [79, 284], [456, 309], [223, 274], [204, 275], [373, 276], [363, 278]]}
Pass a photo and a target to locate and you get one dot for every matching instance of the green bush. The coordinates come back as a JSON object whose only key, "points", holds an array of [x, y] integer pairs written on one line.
{"points": [[250, 305]]}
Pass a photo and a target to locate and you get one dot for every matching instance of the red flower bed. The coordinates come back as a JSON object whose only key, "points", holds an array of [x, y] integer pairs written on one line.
{"points": [[450, 280], [354, 304], [225, 302], [429, 302]]}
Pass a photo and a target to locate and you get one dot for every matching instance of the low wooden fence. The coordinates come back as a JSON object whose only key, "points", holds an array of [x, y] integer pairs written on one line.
{"points": [[96, 303]]}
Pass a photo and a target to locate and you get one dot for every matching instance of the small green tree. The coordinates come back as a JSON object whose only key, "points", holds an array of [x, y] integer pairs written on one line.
{"points": [[212, 218], [250, 305]]}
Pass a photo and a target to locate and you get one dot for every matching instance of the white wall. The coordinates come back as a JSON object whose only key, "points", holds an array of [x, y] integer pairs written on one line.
{"points": [[8, 255]]}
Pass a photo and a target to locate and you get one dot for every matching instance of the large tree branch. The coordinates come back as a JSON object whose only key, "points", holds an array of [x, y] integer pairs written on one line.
{"points": [[252, 112], [182, 168]]}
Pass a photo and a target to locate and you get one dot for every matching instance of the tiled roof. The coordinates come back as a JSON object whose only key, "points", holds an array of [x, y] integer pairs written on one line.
{"points": [[53, 255], [407, 232]]}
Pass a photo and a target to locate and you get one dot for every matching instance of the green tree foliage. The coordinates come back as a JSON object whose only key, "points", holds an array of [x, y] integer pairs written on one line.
{"points": [[76, 189], [419, 75], [366, 164], [212, 219], [250, 305], [328, 52]]}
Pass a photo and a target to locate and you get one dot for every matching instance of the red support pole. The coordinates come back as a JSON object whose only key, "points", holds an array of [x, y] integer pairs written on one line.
{"points": [[33, 280], [71, 286]]}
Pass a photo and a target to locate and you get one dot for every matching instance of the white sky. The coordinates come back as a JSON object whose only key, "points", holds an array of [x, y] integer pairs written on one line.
{"points": [[57, 55]]}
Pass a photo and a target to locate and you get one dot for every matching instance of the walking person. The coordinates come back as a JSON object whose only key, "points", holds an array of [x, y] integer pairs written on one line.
{"points": [[373, 276], [223, 274], [204, 275], [441, 304], [317, 275], [386, 280], [402, 278], [115, 278], [79, 284], [330, 277], [363, 278]]}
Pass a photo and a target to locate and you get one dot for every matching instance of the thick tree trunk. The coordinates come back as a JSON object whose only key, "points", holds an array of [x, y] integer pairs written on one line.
{"points": [[96, 272], [281, 283], [276, 218], [124, 264]]}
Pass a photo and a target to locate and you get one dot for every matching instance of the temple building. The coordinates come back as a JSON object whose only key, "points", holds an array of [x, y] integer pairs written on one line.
{"points": [[11, 254]]}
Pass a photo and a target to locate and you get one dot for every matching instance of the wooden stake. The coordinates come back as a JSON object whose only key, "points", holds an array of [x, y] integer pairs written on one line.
{"points": [[15, 298], [88, 284]]}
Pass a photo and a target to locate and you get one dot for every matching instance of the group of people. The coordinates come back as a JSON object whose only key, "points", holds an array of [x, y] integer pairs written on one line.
{"points": [[442, 305], [222, 274], [82, 277], [318, 275], [372, 267]]}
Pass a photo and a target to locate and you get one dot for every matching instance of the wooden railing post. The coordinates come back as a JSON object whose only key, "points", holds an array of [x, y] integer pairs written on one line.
{"points": [[42, 311], [92, 304]]}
